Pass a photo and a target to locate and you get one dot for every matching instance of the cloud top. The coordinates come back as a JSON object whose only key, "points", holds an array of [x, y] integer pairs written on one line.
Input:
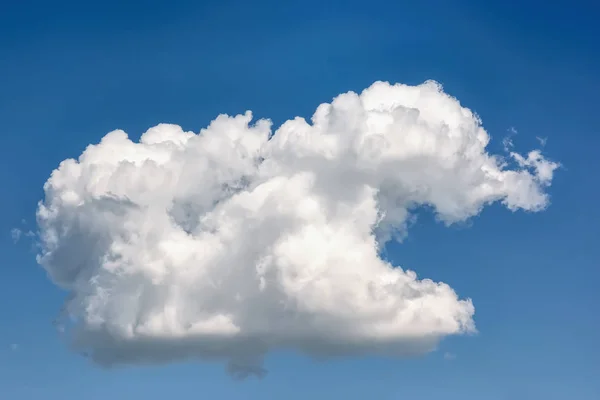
{"points": [[235, 241]]}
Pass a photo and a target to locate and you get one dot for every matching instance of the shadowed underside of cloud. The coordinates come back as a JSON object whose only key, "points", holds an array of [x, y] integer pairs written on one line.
{"points": [[235, 241]]}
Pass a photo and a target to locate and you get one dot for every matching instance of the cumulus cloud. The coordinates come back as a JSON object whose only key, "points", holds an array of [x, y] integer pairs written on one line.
{"points": [[236, 241]]}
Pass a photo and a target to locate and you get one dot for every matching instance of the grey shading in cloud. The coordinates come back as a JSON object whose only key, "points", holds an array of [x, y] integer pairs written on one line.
{"points": [[228, 244]]}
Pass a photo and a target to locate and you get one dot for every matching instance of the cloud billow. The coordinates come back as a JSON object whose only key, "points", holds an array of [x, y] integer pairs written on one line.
{"points": [[229, 243]]}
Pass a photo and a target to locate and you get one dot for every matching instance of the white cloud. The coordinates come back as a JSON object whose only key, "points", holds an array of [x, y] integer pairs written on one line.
{"points": [[544, 169], [225, 245], [542, 140], [14, 347], [15, 234], [507, 142]]}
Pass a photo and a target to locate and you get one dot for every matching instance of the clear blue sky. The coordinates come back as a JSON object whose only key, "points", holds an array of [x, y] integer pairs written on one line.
{"points": [[72, 71]]}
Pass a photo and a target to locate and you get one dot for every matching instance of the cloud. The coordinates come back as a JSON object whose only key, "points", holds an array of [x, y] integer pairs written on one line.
{"points": [[15, 234], [449, 356], [233, 242], [14, 347], [542, 140], [507, 142], [544, 169]]}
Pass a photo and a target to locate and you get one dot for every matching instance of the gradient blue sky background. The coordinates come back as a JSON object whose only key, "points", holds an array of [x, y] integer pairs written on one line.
{"points": [[72, 71]]}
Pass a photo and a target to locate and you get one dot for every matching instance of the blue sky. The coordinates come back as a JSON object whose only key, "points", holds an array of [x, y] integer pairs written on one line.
{"points": [[71, 71]]}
